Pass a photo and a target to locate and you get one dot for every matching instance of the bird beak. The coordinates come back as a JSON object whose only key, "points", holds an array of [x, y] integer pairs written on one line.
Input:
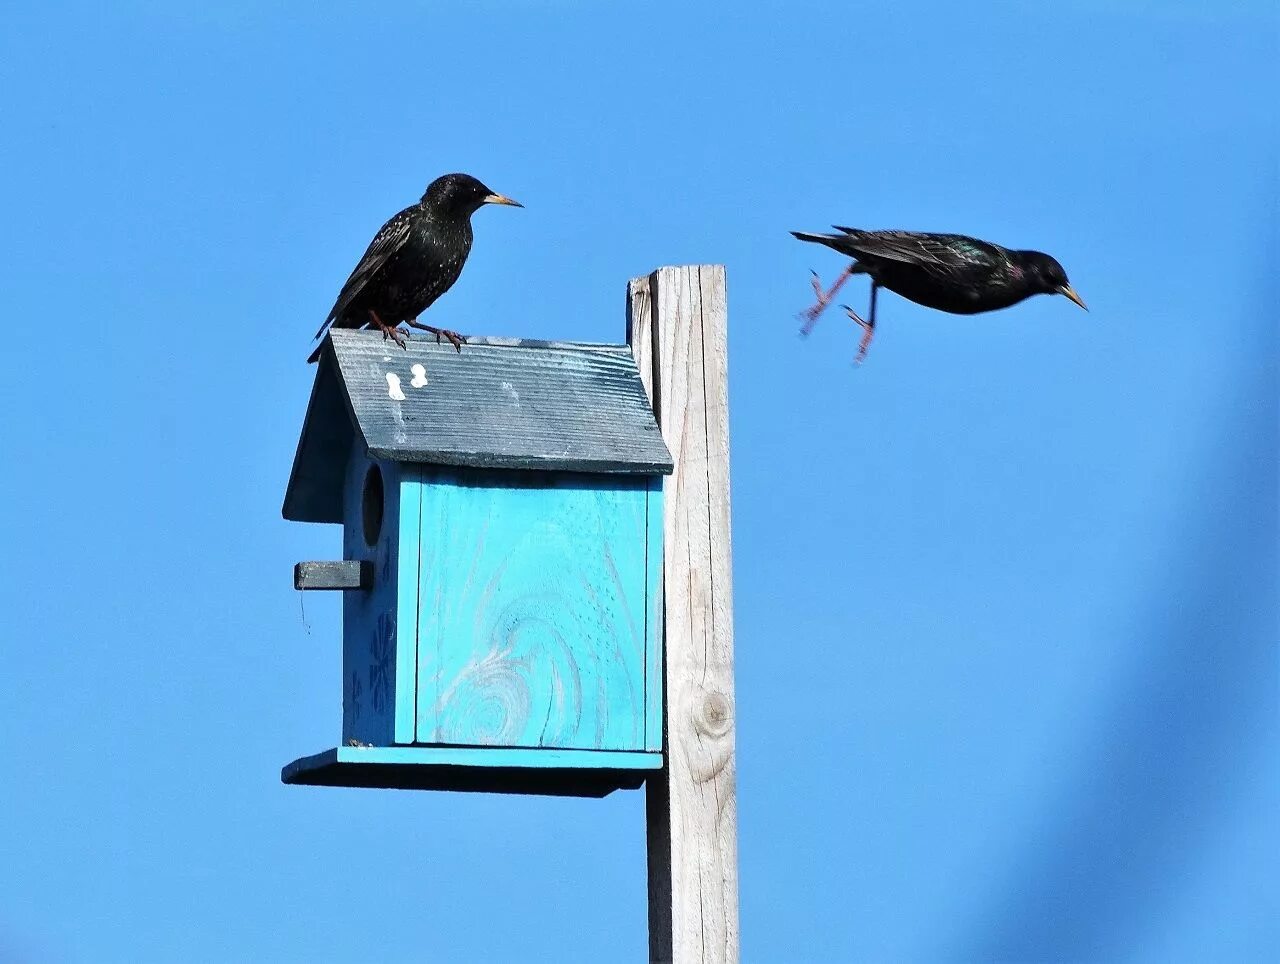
{"points": [[1070, 292], [500, 199]]}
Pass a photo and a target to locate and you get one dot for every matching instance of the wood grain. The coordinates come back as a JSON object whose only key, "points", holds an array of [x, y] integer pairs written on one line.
{"points": [[532, 628], [640, 336], [691, 806], [555, 408]]}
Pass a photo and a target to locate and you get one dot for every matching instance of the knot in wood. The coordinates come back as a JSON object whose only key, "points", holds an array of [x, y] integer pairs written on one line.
{"points": [[714, 716]]}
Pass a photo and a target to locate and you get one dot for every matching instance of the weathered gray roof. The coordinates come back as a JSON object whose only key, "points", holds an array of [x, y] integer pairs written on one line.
{"points": [[500, 403]]}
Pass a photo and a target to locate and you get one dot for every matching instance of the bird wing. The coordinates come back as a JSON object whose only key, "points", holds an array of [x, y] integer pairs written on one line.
{"points": [[389, 239], [940, 254]]}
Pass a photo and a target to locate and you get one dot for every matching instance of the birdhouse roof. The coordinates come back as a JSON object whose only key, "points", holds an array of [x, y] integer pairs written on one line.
{"points": [[499, 403]]}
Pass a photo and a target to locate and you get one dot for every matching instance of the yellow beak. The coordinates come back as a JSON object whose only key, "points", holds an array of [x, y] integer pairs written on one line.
{"points": [[1070, 292], [501, 199]]}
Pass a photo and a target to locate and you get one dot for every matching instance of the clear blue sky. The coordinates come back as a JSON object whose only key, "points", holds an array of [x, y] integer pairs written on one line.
{"points": [[1005, 596]]}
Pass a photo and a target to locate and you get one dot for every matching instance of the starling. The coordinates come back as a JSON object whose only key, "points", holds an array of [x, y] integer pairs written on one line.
{"points": [[950, 272], [413, 259]]}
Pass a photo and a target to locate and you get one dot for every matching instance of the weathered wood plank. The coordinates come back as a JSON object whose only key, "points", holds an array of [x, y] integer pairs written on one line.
{"points": [[691, 806], [640, 334], [346, 574], [500, 403], [557, 408]]}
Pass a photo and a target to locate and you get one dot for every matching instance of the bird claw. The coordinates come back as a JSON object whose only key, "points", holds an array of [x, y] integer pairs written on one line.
{"points": [[388, 331], [810, 315], [453, 338], [868, 332]]}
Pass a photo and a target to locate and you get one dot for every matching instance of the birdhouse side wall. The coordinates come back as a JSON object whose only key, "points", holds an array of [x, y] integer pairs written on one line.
{"points": [[371, 621]]}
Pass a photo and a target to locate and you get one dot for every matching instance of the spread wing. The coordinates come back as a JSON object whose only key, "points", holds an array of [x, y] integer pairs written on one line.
{"points": [[944, 255], [389, 239]]}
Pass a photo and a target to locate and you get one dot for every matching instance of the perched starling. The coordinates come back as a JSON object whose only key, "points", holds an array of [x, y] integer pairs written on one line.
{"points": [[949, 272], [414, 259]]}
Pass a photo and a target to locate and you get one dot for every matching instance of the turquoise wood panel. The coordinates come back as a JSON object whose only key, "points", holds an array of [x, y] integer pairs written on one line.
{"points": [[532, 610], [655, 641], [369, 617]]}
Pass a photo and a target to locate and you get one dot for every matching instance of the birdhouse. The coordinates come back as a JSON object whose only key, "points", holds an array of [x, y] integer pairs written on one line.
{"points": [[501, 511]]}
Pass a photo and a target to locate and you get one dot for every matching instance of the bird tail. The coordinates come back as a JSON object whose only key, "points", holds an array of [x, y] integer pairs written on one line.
{"points": [[333, 321], [816, 238], [838, 241], [318, 341]]}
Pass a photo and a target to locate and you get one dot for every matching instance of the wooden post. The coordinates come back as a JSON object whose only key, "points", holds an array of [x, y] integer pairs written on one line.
{"points": [[677, 329]]}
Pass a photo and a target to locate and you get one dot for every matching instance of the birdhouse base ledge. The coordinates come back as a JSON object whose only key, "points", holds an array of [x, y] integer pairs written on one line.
{"points": [[548, 772]]}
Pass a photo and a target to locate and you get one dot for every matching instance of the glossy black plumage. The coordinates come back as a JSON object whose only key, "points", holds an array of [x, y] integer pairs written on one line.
{"points": [[949, 272], [413, 259]]}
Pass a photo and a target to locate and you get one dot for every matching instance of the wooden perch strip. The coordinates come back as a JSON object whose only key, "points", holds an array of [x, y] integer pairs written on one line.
{"points": [[348, 574]]}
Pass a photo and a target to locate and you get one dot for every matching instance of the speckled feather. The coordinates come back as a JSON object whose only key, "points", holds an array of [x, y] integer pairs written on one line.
{"points": [[413, 259]]}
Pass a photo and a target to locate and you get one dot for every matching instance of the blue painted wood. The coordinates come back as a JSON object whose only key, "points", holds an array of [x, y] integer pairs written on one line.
{"points": [[653, 673], [532, 627], [409, 538], [315, 488], [369, 617]]}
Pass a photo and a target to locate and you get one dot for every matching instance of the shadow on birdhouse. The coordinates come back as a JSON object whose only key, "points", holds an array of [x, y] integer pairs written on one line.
{"points": [[501, 572]]}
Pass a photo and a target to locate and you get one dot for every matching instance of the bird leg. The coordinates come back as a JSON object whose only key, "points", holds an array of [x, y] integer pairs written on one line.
{"points": [[387, 330], [453, 337], [810, 315], [868, 327]]}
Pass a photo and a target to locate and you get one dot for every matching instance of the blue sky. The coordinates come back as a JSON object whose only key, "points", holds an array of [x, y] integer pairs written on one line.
{"points": [[1005, 595]]}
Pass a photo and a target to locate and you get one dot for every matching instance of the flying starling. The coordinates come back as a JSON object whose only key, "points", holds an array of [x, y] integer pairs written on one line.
{"points": [[949, 272], [413, 259]]}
